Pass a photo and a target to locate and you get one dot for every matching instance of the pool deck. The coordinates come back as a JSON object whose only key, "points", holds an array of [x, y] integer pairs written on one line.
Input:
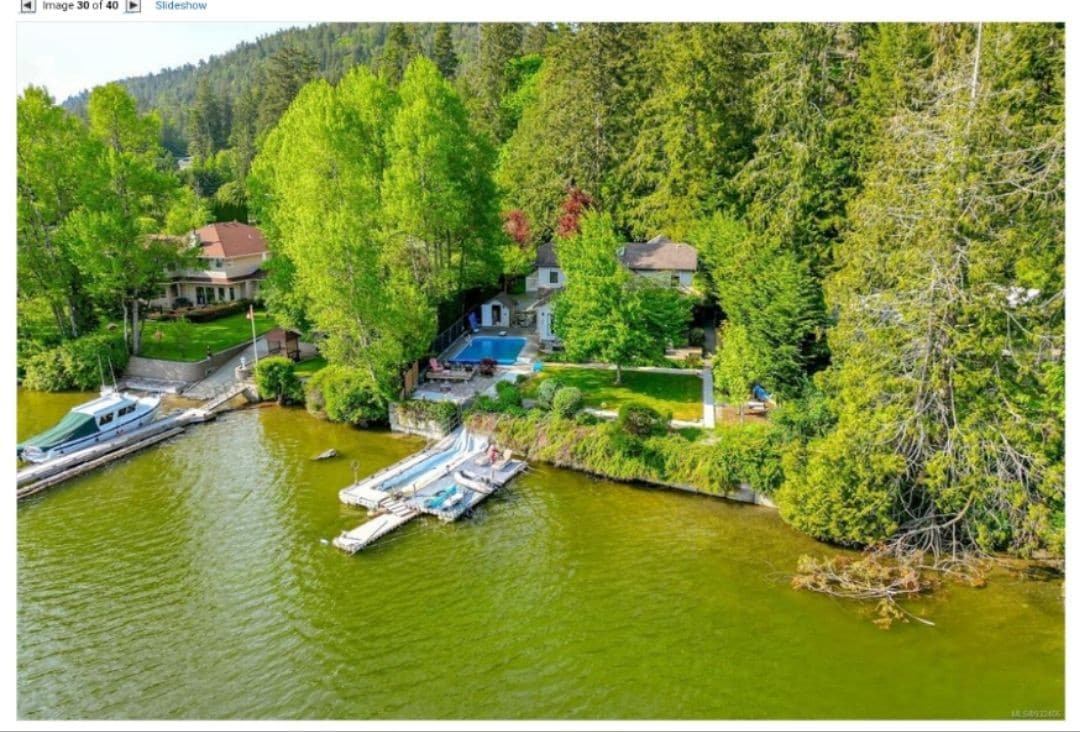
{"points": [[463, 392], [399, 493]]}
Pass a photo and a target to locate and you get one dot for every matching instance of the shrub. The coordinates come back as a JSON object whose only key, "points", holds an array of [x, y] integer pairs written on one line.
{"points": [[567, 401], [485, 403], [693, 361], [696, 337], [509, 395], [343, 394], [76, 364], [275, 376], [546, 392], [641, 420]]}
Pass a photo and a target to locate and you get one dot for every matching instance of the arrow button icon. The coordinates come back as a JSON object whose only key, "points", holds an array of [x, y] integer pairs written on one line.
{"points": [[27, 6], [133, 6]]}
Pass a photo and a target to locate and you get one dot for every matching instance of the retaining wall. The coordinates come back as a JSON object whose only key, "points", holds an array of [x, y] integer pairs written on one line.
{"points": [[188, 371]]}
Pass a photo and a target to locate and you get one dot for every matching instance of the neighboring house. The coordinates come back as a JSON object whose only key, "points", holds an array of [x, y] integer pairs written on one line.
{"points": [[667, 262], [230, 260]]}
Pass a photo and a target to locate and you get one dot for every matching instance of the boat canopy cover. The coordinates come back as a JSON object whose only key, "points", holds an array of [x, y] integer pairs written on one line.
{"points": [[72, 427]]}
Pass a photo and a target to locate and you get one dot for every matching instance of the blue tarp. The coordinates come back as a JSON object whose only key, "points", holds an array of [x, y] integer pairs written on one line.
{"points": [[760, 394]]}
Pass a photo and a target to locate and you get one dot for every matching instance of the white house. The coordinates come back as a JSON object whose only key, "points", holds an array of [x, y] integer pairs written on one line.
{"points": [[496, 312], [548, 275], [667, 262], [230, 266]]}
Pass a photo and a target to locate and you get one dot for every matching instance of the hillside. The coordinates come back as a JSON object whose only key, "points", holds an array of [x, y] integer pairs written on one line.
{"points": [[336, 47]]}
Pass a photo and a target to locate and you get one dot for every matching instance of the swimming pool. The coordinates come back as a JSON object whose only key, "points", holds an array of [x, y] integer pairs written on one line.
{"points": [[504, 350]]}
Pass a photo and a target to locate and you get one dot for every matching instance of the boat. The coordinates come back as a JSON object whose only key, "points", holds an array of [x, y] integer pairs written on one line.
{"points": [[110, 415], [474, 482], [440, 499]]}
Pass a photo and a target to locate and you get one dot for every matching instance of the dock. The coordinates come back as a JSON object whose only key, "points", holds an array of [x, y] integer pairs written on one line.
{"points": [[38, 477], [446, 480]]}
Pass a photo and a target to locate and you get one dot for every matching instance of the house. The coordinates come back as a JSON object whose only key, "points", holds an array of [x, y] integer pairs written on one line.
{"points": [[230, 266], [497, 312], [665, 261], [548, 275]]}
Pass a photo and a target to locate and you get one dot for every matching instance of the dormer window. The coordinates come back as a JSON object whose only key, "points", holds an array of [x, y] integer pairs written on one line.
{"points": [[219, 263], [553, 277]]}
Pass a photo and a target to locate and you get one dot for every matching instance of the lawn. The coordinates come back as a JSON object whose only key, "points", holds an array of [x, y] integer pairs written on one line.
{"points": [[676, 393], [182, 341], [308, 367]]}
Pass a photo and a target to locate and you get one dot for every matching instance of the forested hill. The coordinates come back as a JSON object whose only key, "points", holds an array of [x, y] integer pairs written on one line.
{"points": [[335, 46]]}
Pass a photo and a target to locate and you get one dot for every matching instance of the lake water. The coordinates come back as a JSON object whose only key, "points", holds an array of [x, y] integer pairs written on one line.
{"points": [[192, 581]]}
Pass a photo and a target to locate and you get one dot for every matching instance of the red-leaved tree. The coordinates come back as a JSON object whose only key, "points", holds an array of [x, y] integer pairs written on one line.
{"points": [[577, 201], [516, 226]]}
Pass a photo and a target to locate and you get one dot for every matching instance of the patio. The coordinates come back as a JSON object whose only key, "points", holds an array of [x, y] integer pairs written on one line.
{"points": [[461, 392]]}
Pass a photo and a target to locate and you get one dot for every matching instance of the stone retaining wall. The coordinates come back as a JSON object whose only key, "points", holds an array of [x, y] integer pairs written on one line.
{"points": [[187, 371]]}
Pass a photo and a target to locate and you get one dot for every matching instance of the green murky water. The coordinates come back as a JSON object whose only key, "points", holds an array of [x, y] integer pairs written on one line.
{"points": [[192, 581]]}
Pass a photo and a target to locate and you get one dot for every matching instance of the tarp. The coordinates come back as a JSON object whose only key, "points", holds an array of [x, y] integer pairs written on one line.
{"points": [[760, 394], [72, 427]]}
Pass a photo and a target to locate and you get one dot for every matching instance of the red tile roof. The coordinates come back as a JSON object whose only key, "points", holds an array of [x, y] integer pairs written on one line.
{"points": [[230, 239]]}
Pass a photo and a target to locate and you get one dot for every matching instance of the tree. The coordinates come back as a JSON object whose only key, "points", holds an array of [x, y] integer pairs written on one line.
{"points": [[772, 305], [499, 44], [208, 122], [316, 188], [287, 71], [398, 50], [439, 199], [580, 128], [116, 240], [605, 312], [444, 55], [696, 129], [57, 174], [949, 342]]}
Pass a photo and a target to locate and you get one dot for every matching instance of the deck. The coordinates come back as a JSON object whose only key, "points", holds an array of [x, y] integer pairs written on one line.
{"points": [[454, 467]]}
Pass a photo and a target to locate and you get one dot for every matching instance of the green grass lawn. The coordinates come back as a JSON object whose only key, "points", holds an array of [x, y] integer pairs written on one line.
{"points": [[676, 393], [306, 368], [188, 342]]}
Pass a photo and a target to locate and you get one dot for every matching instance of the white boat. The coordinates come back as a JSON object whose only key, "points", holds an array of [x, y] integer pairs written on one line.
{"points": [[110, 415]]}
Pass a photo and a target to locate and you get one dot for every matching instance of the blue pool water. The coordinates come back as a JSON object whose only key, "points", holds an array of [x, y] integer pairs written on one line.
{"points": [[504, 350]]}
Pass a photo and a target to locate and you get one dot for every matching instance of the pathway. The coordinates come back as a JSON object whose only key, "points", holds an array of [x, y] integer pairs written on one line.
{"points": [[707, 397], [225, 375]]}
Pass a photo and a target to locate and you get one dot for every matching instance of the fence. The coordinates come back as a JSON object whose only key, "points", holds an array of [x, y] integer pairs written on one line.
{"points": [[448, 336]]}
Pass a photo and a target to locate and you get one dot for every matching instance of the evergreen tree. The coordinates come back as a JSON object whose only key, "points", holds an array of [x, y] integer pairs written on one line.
{"points": [[949, 343], [444, 55], [695, 131], [580, 130], [286, 73], [397, 52]]}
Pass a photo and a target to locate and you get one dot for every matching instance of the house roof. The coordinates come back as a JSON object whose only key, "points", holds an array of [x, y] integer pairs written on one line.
{"points": [[230, 239], [545, 255], [503, 299], [258, 274], [659, 254]]}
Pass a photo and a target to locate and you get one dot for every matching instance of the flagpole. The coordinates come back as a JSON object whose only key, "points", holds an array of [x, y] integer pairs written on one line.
{"points": [[254, 342]]}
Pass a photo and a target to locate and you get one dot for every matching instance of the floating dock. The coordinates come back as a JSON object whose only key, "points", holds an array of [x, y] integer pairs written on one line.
{"points": [[446, 480]]}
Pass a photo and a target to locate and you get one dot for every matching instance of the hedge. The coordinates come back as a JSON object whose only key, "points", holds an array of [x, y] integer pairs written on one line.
{"points": [[76, 364]]}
